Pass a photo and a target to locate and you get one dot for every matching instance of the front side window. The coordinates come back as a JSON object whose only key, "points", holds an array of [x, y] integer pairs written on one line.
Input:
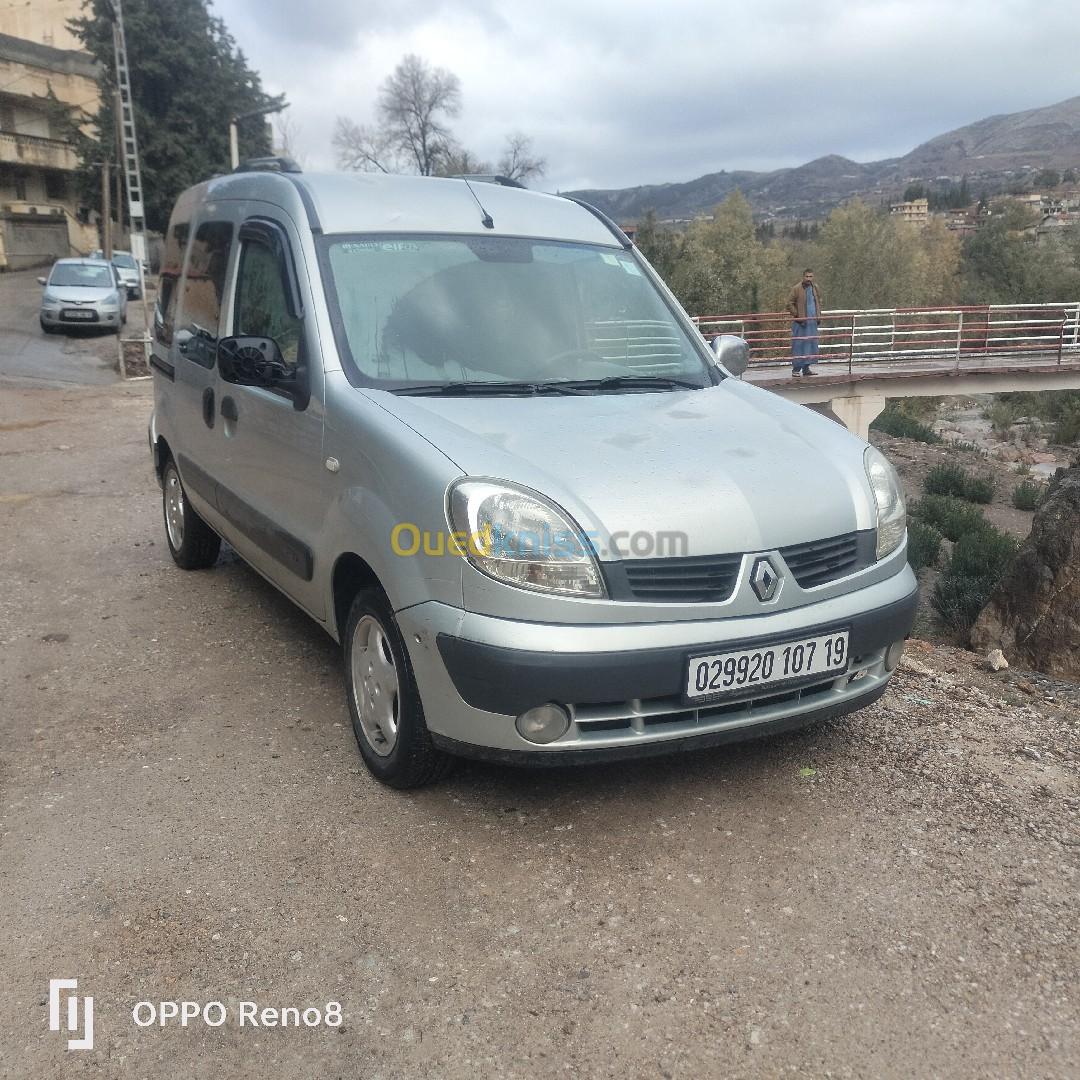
{"points": [[203, 289], [88, 275], [262, 306], [421, 310]]}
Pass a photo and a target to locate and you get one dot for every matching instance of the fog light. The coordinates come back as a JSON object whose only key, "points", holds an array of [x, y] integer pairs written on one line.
{"points": [[893, 654], [544, 724]]}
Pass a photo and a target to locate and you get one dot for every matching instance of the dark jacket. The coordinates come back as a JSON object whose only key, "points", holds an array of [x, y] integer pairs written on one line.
{"points": [[796, 304]]}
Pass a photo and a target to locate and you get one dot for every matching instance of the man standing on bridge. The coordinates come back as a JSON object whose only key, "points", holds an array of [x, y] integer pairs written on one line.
{"points": [[804, 303]]}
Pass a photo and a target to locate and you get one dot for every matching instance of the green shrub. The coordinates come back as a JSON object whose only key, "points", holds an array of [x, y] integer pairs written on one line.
{"points": [[980, 489], [1002, 415], [953, 480], [967, 447], [893, 421], [977, 564], [924, 545], [952, 517], [1027, 495], [1066, 427]]}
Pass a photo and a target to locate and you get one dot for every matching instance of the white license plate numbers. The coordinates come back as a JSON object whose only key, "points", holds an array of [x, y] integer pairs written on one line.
{"points": [[766, 665], [78, 314]]}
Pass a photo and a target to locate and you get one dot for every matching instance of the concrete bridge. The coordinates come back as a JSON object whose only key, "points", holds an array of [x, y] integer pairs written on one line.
{"points": [[867, 356]]}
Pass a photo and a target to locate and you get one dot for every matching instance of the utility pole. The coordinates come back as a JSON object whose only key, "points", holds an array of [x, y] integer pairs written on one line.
{"points": [[234, 140], [106, 212]]}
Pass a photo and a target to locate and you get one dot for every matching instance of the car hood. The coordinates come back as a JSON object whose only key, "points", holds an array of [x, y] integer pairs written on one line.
{"points": [[733, 467], [78, 294]]}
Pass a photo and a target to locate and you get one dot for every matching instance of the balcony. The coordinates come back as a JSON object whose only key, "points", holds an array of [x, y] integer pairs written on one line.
{"points": [[34, 151]]}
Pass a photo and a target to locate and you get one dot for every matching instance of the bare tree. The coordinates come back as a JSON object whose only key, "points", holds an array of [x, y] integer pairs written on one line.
{"points": [[414, 104], [461, 162], [411, 133], [362, 148], [286, 135], [518, 161]]}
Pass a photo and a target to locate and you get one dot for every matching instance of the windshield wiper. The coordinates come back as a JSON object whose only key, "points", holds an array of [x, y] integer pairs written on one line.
{"points": [[635, 382], [487, 389]]}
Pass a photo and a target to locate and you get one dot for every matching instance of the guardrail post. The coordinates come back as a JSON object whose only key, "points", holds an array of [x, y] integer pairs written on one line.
{"points": [[959, 337], [1061, 337], [851, 344]]}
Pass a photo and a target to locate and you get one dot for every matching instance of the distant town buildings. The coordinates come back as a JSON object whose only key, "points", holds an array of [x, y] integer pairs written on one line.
{"points": [[46, 84]]}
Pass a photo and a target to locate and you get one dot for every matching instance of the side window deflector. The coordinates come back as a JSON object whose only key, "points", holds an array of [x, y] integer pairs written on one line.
{"points": [[272, 235]]}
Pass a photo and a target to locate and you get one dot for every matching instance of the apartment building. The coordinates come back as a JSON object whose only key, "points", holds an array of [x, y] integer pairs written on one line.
{"points": [[44, 79]]}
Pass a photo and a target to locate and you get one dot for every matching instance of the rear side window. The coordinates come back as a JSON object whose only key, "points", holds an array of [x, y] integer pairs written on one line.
{"points": [[203, 289], [172, 264]]}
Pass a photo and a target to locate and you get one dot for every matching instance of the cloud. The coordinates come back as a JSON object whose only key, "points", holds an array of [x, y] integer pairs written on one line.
{"points": [[616, 94]]}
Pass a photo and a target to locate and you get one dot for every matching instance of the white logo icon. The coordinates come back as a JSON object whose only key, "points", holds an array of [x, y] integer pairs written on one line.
{"points": [[55, 986]]}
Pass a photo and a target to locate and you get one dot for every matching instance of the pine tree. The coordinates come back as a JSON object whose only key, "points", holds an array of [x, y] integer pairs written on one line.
{"points": [[187, 78]]}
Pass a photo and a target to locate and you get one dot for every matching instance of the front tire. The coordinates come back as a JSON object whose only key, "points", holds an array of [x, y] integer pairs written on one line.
{"points": [[192, 543], [383, 698]]}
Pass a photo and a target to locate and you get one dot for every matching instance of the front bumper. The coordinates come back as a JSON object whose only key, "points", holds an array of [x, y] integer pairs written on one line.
{"points": [[623, 684], [102, 317]]}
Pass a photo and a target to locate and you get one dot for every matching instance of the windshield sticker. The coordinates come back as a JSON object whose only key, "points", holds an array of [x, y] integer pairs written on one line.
{"points": [[354, 247], [612, 260], [630, 267]]}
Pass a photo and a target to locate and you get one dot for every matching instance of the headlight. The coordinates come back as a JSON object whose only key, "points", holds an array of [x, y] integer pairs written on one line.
{"points": [[520, 538], [889, 496]]}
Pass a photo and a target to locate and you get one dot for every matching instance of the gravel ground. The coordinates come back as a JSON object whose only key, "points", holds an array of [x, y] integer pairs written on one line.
{"points": [[184, 815]]}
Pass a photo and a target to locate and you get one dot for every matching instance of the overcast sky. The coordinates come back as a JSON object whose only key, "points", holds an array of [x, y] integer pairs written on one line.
{"points": [[623, 92]]}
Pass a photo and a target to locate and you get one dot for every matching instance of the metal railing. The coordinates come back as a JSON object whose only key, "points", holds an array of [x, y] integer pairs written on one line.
{"points": [[932, 335]]}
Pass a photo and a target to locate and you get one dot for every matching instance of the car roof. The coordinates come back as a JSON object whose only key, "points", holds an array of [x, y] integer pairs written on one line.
{"points": [[358, 202], [86, 260]]}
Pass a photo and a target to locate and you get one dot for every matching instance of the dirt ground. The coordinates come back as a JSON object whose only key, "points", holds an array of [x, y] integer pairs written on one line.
{"points": [[184, 815]]}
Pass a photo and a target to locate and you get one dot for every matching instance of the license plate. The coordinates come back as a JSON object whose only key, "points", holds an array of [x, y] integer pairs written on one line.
{"points": [[721, 674], [71, 313]]}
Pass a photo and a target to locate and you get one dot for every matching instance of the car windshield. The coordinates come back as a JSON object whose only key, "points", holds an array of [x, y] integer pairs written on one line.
{"points": [[425, 312], [123, 260], [87, 274]]}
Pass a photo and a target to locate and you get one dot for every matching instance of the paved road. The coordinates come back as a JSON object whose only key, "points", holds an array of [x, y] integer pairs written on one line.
{"points": [[184, 816], [30, 356]]}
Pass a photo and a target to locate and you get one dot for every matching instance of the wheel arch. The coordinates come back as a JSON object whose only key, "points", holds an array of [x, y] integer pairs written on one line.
{"points": [[351, 573]]}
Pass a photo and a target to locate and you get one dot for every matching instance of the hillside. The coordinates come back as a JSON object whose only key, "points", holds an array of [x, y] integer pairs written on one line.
{"points": [[990, 152]]}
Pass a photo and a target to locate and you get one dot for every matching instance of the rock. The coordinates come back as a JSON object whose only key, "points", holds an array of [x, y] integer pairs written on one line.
{"points": [[1034, 613], [909, 663], [995, 660]]}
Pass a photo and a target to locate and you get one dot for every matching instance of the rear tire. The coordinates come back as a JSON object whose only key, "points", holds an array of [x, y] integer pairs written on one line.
{"points": [[192, 543], [383, 698]]}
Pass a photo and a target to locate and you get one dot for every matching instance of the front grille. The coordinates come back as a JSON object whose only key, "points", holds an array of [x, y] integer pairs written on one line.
{"points": [[690, 580], [711, 579], [826, 560]]}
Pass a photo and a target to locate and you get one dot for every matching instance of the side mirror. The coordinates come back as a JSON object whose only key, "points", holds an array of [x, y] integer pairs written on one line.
{"points": [[732, 353], [257, 361], [42, 281]]}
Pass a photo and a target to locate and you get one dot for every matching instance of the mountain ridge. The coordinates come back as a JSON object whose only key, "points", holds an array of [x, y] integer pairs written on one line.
{"points": [[991, 152]]}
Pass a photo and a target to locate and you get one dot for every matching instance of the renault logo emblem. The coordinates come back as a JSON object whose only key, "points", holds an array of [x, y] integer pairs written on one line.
{"points": [[764, 580]]}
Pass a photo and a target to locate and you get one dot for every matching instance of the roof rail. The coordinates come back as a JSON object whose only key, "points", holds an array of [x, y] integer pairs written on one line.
{"points": [[268, 164], [488, 178], [603, 219]]}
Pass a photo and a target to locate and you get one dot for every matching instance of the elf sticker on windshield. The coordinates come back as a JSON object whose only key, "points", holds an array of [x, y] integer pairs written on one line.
{"points": [[630, 267], [354, 247]]}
